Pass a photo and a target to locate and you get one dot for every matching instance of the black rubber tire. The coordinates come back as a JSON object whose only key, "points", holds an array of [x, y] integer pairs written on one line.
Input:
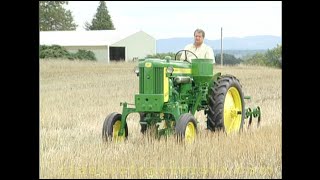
{"points": [[107, 129], [181, 125], [216, 99], [143, 126]]}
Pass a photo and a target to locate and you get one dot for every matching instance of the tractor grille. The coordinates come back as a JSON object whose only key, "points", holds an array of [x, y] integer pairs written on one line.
{"points": [[141, 80], [156, 82]]}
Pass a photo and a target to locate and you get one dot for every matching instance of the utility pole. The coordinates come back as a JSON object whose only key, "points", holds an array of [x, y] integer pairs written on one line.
{"points": [[221, 49]]}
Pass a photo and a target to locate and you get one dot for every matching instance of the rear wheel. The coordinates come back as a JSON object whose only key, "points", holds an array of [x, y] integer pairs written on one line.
{"points": [[186, 128], [111, 128], [226, 105]]}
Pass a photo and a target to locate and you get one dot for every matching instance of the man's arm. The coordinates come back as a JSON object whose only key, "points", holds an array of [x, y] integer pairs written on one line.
{"points": [[210, 54]]}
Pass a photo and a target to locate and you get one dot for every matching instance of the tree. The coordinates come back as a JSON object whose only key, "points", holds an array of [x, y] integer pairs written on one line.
{"points": [[273, 56], [101, 20], [257, 59], [54, 17], [227, 59], [270, 58]]}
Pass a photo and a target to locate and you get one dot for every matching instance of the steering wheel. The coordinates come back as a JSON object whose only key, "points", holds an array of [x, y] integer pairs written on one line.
{"points": [[185, 55]]}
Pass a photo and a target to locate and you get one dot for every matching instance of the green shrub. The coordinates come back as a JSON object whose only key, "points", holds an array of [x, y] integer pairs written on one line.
{"points": [[56, 51], [228, 59], [53, 51], [270, 58], [85, 54]]}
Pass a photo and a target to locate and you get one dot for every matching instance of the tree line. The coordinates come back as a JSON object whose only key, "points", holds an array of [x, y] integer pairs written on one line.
{"points": [[272, 58]]}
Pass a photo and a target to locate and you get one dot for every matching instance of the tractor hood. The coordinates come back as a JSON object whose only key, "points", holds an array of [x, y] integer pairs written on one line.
{"points": [[152, 62]]}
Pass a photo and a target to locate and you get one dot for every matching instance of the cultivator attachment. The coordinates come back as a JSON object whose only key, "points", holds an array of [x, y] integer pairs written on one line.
{"points": [[255, 112]]}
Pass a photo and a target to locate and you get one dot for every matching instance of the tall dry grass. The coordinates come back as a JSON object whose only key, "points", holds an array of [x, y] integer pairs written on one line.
{"points": [[75, 98]]}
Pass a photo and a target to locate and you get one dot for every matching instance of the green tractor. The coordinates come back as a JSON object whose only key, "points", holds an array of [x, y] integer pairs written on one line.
{"points": [[170, 93]]}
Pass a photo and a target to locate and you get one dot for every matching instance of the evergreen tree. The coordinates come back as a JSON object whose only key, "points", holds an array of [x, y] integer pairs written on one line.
{"points": [[101, 20], [54, 17]]}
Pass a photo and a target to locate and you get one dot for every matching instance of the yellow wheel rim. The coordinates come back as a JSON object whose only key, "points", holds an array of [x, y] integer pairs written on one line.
{"points": [[232, 107], [190, 133], [116, 129]]}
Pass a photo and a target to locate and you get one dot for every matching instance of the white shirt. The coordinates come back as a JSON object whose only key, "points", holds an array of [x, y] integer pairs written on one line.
{"points": [[204, 51]]}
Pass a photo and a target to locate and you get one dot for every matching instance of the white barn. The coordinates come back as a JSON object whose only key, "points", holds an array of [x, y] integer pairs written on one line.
{"points": [[107, 45]]}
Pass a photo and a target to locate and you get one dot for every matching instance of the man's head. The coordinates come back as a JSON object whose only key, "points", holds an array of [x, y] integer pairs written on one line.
{"points": [[198, 37]]}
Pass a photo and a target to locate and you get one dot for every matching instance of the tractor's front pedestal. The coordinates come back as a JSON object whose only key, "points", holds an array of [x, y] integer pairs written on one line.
{"points": [[125, 112]]}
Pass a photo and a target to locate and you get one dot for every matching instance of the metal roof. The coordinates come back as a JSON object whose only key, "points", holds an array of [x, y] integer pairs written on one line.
{"points": [[83, 38]]}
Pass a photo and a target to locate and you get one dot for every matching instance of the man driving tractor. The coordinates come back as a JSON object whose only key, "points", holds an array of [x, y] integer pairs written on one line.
{"points": [[199, 48]]}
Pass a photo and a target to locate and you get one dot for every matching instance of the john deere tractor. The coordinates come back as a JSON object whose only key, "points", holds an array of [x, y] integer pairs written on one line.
{"points": [[170, 93]]}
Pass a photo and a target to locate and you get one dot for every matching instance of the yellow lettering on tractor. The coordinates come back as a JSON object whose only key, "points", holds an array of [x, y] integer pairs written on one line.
{"points": [[181, 71], [148, 64]]}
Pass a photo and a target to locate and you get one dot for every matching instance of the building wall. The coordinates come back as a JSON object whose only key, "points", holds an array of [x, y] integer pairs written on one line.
{"points": [[138, 45], [101, 52]]}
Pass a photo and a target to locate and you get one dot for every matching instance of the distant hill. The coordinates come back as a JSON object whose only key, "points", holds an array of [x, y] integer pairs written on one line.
{"points": [[247, 43]]}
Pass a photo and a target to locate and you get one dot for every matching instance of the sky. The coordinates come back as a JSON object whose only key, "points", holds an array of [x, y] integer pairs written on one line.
{"points": [[168, 19]]}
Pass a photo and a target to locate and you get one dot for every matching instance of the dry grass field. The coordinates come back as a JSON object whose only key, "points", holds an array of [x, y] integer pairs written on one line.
{"points": [[76, 97]]}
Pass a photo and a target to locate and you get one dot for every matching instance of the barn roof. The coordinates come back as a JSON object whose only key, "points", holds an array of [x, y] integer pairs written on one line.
{"points": [[83, 38]]}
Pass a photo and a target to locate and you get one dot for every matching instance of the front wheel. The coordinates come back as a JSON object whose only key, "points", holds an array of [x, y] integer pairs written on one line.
{"points": [[186, 128], [111, 128]]}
